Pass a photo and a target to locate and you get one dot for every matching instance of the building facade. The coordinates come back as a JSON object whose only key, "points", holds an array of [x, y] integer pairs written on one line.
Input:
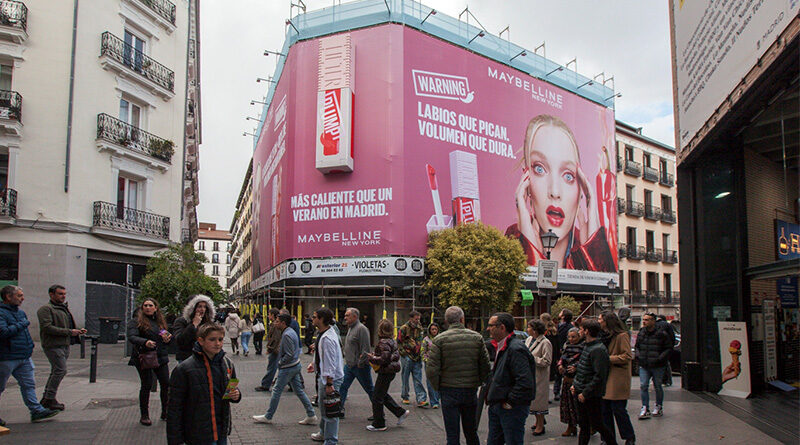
{"points": [[241, 232], [215, 245], [647, 225], [96, 114]]}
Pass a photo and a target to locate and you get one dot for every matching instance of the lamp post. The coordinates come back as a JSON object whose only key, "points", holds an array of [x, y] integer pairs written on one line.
{"points": [[549, 240]]}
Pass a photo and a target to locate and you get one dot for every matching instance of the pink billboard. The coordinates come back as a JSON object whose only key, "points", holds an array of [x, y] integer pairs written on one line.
{"points": [[439, 136]]}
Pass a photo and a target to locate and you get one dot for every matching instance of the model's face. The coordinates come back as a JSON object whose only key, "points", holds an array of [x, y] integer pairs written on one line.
{"points": [[212, 344], [16, 299], [200, 309], [148, 307], [554, 181], [574, 338], [59, 296]]}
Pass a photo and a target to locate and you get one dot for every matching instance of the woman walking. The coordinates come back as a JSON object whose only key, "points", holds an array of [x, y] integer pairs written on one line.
{"points": [[258, 334], [568, 366], [232, 329], [246, 331], [427, 343], [542, 352], [199, 311], [618, 386], [386, 363], [147, 331]]}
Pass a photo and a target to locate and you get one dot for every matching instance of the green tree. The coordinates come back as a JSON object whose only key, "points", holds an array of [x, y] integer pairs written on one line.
{"points": [[474, 266], [174, 275], [565, 302]]}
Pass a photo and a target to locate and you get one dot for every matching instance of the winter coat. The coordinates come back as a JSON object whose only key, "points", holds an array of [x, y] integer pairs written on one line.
{"points": [[15, 340], [513, 379], [386, 356], [273, 338], [232, 325], [184, 330], [618, 386], [55, 323], [653, 348], [409, 340], [556, 354], [189, 418], [592, 375], [138, 337], [427, 343], [570, 356], [457, 359], [542, 351], [245, 326]]}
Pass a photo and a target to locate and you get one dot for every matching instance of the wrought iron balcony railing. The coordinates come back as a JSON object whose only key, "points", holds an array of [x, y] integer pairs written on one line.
{"points": [[116, 48], [670, 256], [8, 202], [654, 255], [124, 219], [119, 132], [633, 168], [652, 212], [14, 14], [634, 208], [636, 252], [164, 8], [667, 179], [619, 164], [668, 216], [650, 174], [623, 250], [620, 205], [10, 105], [676, 298], [636, 297]]}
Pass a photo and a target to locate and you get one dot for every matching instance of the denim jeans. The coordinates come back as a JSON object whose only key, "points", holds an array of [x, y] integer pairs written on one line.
{"points": [[364, 376], [58, 369], [291, 376], [459, 405], [618, 409], [272, 368], [433, 395], [245, 340], [507, 426], [22, 370], [328, 426], [657, 374], [414, 368]]}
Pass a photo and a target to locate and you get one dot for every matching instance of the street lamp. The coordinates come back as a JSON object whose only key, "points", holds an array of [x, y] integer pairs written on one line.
{"points": [[549, 241]]}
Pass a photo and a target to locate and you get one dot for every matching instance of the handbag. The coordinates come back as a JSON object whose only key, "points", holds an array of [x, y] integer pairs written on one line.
{"points": [[148, 359], [333, 404]]}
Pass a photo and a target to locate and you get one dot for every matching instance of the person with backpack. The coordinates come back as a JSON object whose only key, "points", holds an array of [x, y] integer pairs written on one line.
{"points": [[386, 363]]}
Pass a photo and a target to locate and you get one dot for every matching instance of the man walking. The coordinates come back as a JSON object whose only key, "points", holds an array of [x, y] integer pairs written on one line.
{"points": [[409, 341], [16, 347], [652, 353], [273, 342], [512, 385], [458, 364], [590, 385], [356, 347], [329, 370], [564, 325], [309, 334], [58, 331], [288, 372]]}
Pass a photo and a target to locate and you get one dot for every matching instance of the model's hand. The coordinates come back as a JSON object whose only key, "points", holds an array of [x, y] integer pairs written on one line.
{"points": [[730, 372], [526, 222], [589, 227], [236, 395], [581, 398], [150, 344]]}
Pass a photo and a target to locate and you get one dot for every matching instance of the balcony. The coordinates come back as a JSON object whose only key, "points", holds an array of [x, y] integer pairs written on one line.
{"points": [[8, 206], [13, 21], [634, 208], [654, 255], [623, 250], [619, 164], [670, 256], [633, 168], [111, 220], [150, 14], [635, 298], [126, 140], [667, 179], [652, 212], [668, 216], [118, 56], [620, 206], [650, 174], [636, 252], [11, 113]]}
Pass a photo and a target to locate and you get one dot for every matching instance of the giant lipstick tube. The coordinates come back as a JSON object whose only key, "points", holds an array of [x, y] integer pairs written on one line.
{"points": [[464, 186], [335, 97]]}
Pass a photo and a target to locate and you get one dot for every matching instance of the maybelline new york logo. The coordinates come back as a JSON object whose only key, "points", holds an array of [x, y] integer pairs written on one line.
{"points": [[443, 86]]}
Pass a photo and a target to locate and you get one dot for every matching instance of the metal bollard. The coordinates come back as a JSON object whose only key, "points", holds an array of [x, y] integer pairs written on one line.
{"points": [[93, 361], [83, 346]]}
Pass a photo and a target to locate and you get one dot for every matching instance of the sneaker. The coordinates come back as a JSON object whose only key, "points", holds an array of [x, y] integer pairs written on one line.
{"points": [[423, 405], [406, 401], [658, 411], [317, 437], [644, 413], [262, 389], [313, 420], [43, 416], [261, 419], [403, 417], [314, 402], [373, 429], [434, 406]]}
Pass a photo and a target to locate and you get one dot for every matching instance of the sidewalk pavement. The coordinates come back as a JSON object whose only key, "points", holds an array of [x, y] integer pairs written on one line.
{"points": [[107, 412]]}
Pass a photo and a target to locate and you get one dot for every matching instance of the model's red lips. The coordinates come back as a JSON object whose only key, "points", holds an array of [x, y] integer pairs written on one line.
{"points": [[555, 215]]}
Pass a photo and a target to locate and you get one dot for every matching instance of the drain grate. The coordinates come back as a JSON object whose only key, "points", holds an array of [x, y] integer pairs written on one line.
{"points": [[111, 403]]}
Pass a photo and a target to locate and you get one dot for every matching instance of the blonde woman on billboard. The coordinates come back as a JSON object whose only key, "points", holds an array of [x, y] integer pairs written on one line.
{"points": [[554, 194]]}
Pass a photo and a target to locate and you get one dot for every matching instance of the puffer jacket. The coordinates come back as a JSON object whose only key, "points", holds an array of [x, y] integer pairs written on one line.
{"points": [[457, 359], [592, 375], [570, 356], [386, 356], [189, 419], [184, 330], [15, 340], [513, 379], [232, 325], [138, 337], [653, 348]]}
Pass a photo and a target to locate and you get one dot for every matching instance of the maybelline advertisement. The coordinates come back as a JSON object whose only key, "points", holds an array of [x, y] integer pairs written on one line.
{"points": [[374, 141]]}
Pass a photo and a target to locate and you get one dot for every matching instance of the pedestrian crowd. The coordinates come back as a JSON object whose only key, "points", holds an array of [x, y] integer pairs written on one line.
{"points": [[452, 368]]}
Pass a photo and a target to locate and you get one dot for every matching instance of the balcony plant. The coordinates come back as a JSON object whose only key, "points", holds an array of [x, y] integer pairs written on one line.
{"points": [[162, 148]]}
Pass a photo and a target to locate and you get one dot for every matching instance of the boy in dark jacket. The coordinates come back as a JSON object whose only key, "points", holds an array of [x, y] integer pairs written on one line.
{"points": [[590, 384], [198, 413]]}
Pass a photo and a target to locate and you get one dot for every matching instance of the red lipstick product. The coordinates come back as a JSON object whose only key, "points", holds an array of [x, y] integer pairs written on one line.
{"points": [[464, 186]]}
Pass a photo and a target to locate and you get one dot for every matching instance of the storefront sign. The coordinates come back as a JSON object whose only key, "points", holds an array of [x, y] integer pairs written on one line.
{"points": [[788, 291], [721, 312], [344, 267], [734, 358], [770, 341], [787, 240], [527, 297]]}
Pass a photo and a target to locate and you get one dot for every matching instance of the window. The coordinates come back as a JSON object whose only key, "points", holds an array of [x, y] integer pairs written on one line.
{"points": [[127, 197], [215, 270], [635, 281], [621, 279], [662, 166], [228, 271], [215, 258], [6, 75], [628, 153], [229, 248], [650, 240], [632, 236], [134, 51], [216, 246], [646, 159], [228, 259], [665, 241], [668, 284], [652, 281], [666, 202], [648, 198], [201, 245], [629, 193], [130, 113]]}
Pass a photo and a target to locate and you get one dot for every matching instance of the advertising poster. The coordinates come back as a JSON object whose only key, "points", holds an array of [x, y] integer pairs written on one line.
{"points": [[440, 136], [734, 358]]}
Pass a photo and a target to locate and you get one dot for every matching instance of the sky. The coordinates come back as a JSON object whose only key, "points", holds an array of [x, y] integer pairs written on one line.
{"points": [[627, 39]]}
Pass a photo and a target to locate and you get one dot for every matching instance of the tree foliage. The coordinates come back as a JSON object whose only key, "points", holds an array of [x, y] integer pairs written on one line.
{"points": [[474, 265], [565, 302], [174, 275]]}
